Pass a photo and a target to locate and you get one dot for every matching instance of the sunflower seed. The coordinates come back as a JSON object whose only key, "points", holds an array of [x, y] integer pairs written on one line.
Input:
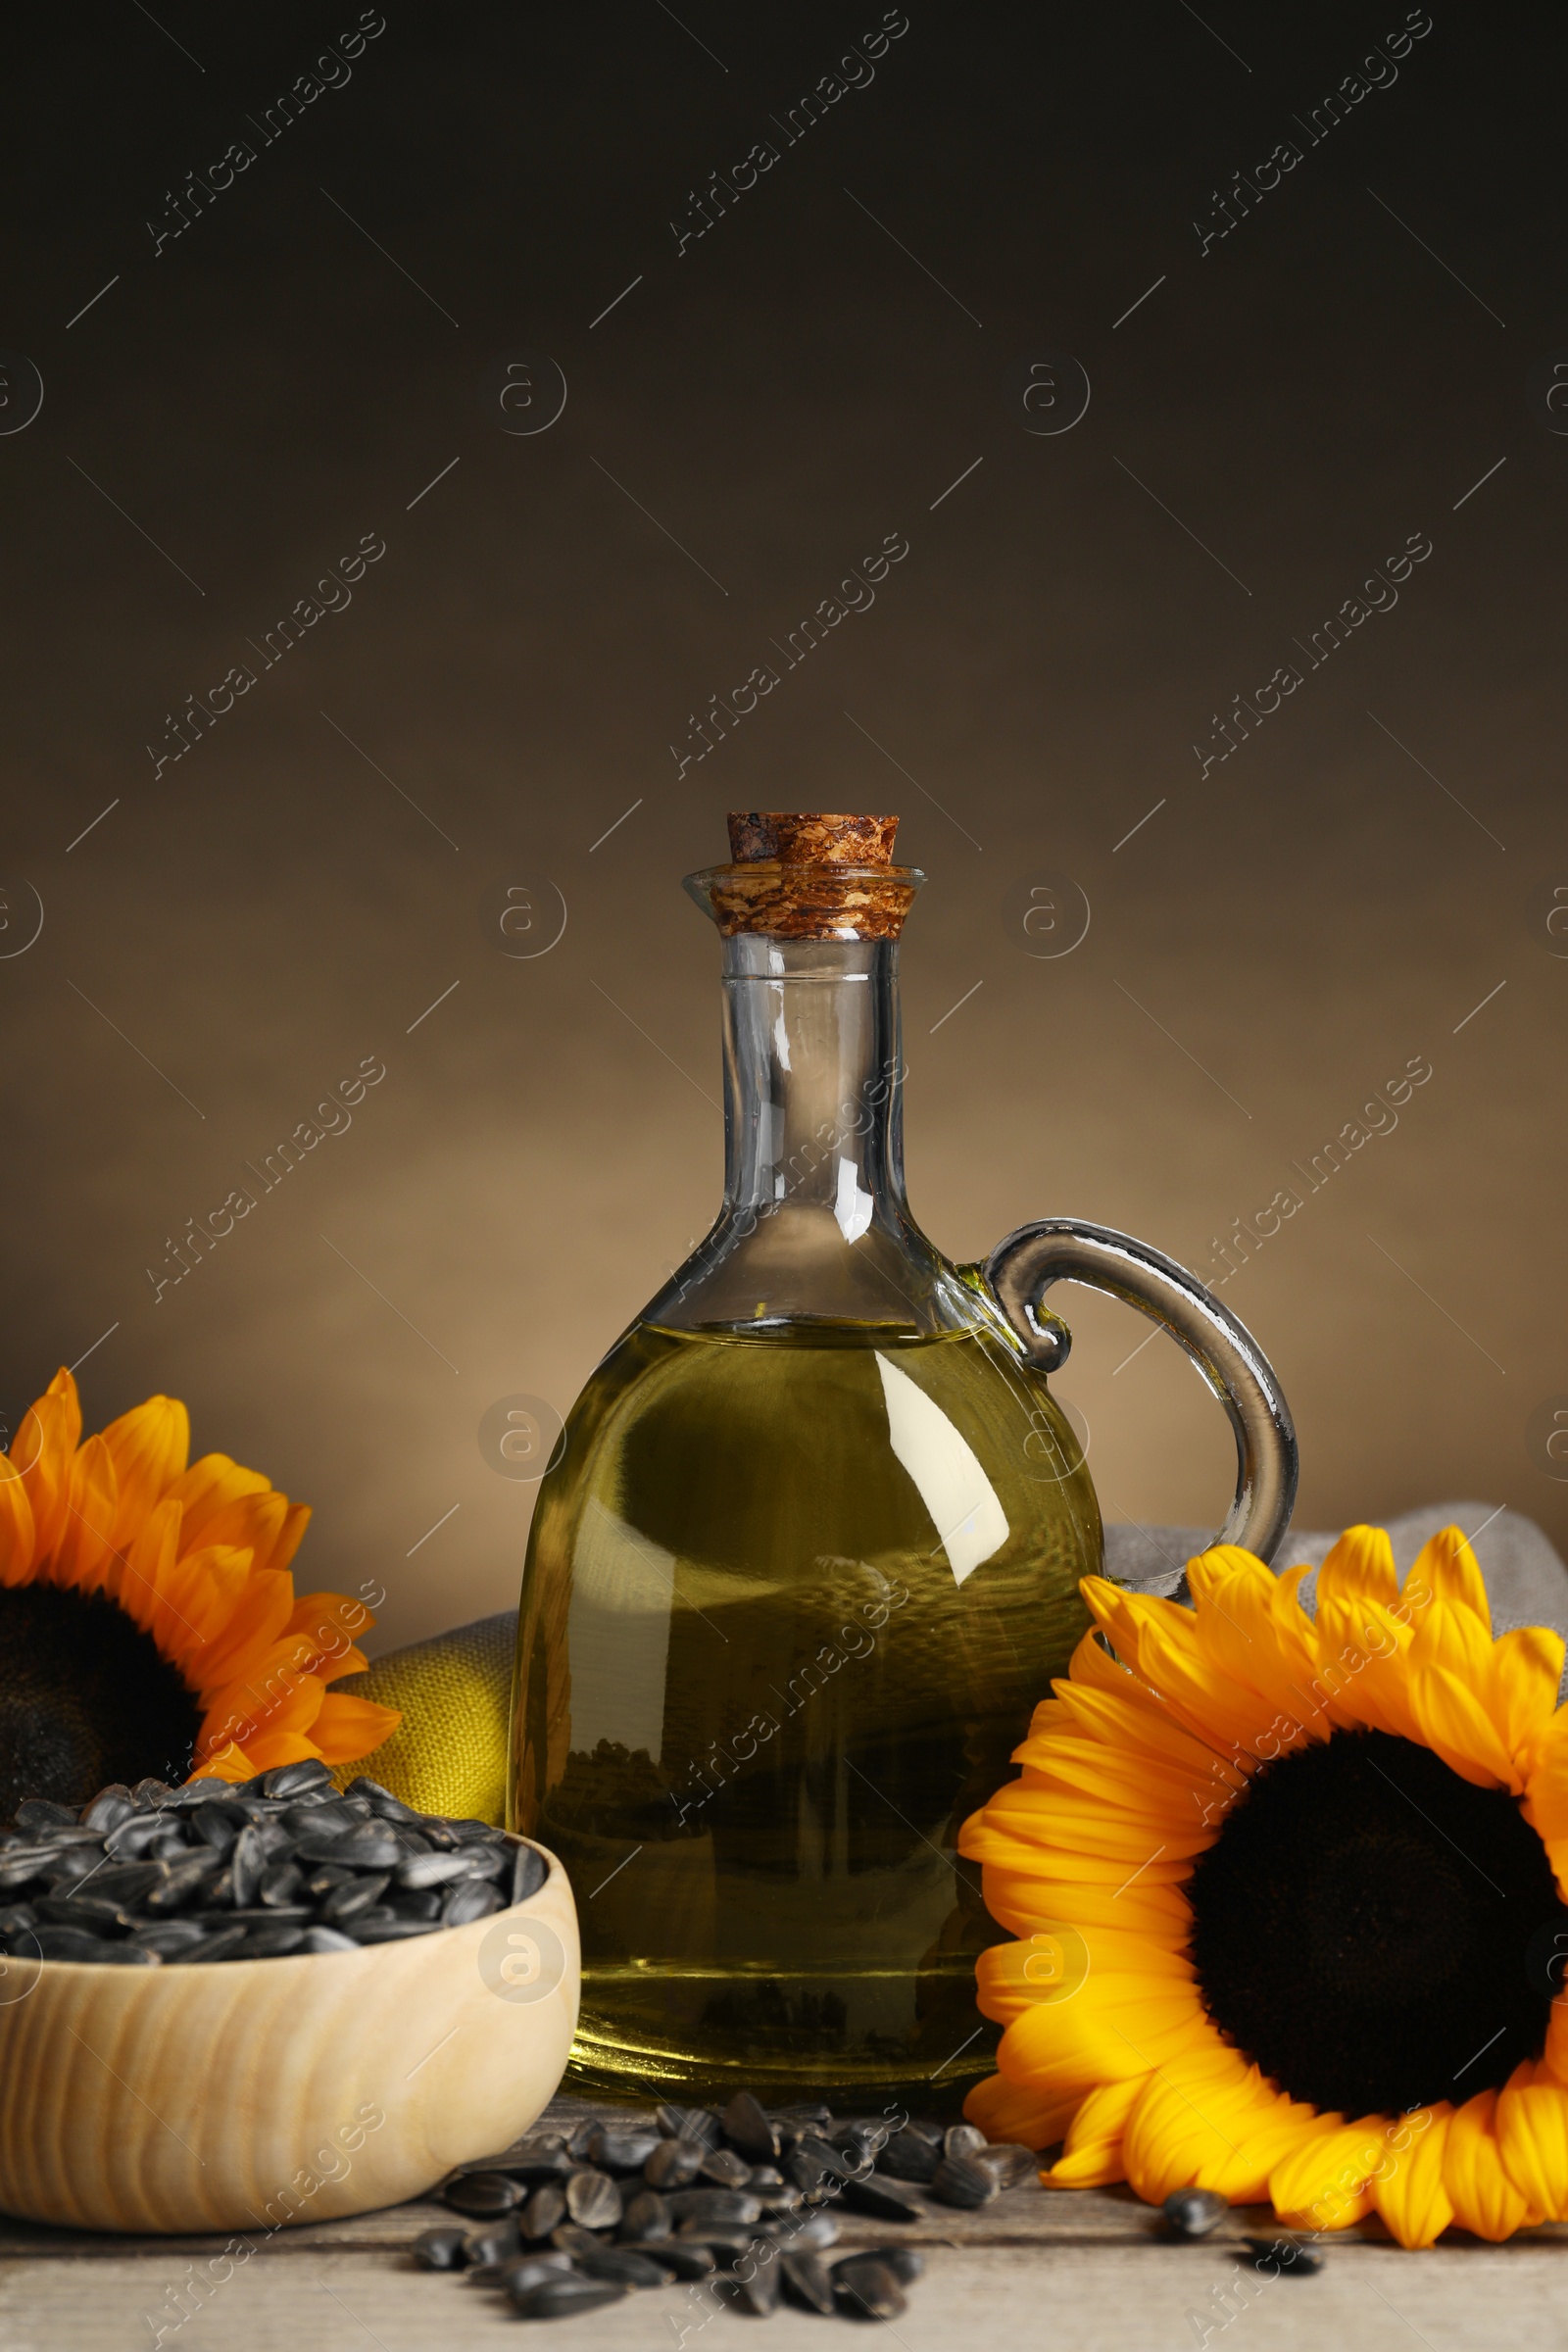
{"points": [[887, 2201], [223, 1946], [248, 1862], [331, 1818], [392, 1930], [280, 1883], [529, 2163], [621, 2264], [910, 2156], [70, 1944], [647, 2216], [177, 1935], [570, 2237], [726, 2245], [811, 2162], [255, 1915], [961, 2180], [1193, 2212], [1009, 2163], [721, 2206], [417, 1906], [218, 1826], [433, 1869], [593, 2200], [287, 1779], [348, 1902], [130, 1839], [481, 2193], [107, 1810], [673, 2164], [561, 2298], [868, 2290], [272, 1941], [907, 2262], [747, 2127], [439, 2250], [529, 1871], [382, 1802], [680, 2258], [963, 2139], [490, 2247], [467, 1903], [127, 1881], [35, 1813], [70, 1869], [151, 1793], [84, 1911], [530, 2270], [177, 1884], [811, 2233], [754, 2291], [621, 2151], [327, 1939], [545, 2211], [808, 2282], [726, 2169], [687, 2122], [1290, 2257]]}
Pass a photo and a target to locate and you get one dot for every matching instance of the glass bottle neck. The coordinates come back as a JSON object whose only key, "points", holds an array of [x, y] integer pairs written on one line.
{"points": [[813, 1081]]}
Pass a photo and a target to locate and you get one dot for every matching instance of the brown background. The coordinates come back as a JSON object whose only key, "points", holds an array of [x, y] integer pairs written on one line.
{"points": [[792, 387]]}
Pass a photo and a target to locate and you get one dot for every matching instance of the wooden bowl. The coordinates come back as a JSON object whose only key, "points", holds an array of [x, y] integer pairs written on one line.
{"points": [[247, 2094]]}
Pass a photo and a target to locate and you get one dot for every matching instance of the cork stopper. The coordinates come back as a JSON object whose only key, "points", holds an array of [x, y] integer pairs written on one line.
{"points": [[805, 874], [793, 837]]}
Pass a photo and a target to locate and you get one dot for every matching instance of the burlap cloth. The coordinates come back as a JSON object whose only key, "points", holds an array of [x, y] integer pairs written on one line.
{"points": [[449, 1754]]}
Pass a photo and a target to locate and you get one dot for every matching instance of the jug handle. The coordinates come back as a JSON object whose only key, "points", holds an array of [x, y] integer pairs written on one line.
{"points": [[1022, 1268]]}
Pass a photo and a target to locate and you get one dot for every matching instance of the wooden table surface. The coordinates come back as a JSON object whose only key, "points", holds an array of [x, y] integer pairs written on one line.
{"points": [[1090, 2271]]}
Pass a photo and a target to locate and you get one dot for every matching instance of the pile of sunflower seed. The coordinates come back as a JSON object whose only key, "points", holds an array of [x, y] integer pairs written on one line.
{"points": [[739, 2204], [247, 1870]]}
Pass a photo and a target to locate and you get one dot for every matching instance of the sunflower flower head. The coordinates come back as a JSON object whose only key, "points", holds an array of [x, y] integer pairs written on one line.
{"points": [[1289, 1899], [148, 1619]]}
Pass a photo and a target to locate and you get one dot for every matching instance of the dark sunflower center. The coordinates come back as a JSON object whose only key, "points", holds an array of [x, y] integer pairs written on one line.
{"points": [[1363, 1924], [85, 1697]]}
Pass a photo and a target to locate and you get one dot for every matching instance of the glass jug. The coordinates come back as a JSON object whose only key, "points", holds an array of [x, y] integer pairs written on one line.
{"points": [[809, 1554]]}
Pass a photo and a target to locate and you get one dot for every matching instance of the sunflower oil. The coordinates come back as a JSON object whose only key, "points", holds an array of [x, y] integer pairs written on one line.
{"points": [[791, 1594]]}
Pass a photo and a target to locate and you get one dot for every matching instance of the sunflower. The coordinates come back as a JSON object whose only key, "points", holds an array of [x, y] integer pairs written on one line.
{"points": [[1290, 1891], [148, 1623]]}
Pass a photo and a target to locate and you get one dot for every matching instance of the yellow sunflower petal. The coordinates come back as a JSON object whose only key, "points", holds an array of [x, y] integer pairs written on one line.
{"points": [[1159, 1638], [1185, 2122], [1452, 1636], [1455, 1725], [1485, 2200], [1449, 1567], [1091, 2157], [1323, 2184], [330, 1623], [149, 1448], [84, 1547], [1527, 1668], [1243, 1630], [1532, 2129], [1359, 1567], [1265, 2137], [146, 1564], [16, 1525], [274, 1747], [264, 1610], [1003, 2111], [1412, 2196], [47, 1437], [345, 1728]]}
